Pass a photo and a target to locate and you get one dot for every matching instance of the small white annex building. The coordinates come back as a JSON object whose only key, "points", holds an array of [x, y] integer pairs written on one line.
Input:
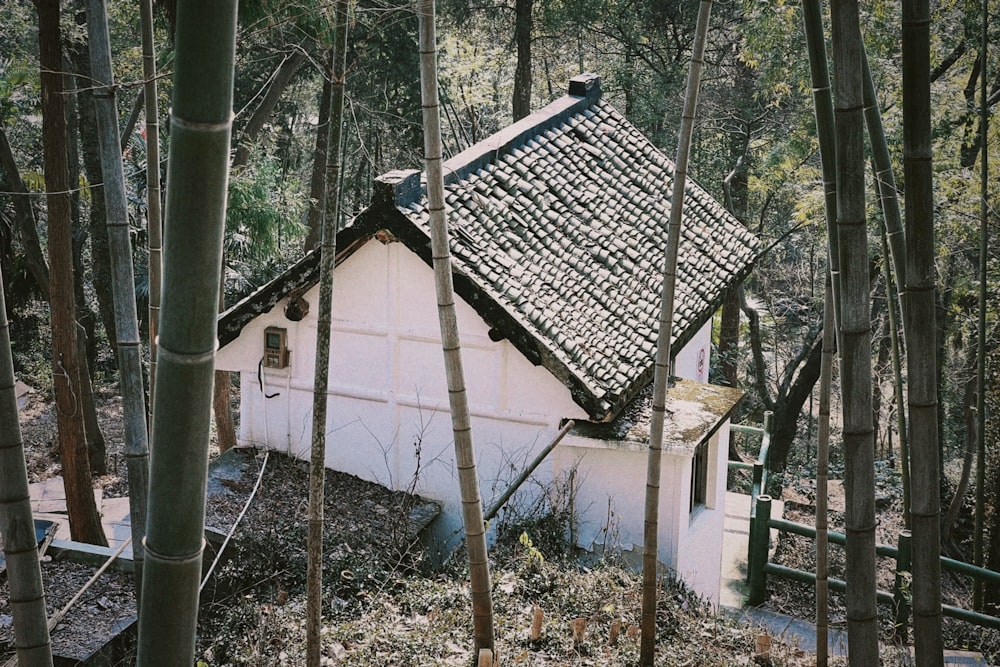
{"points": [[558, 237]]}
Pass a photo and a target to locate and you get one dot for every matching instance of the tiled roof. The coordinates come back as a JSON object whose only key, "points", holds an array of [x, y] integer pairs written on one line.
{"points": [[558, 236]]}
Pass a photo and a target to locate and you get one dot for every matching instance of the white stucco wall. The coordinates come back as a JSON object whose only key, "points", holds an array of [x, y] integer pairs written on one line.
{"points": [[610, 497], [692, 361], [388, 393], [388, 389]]}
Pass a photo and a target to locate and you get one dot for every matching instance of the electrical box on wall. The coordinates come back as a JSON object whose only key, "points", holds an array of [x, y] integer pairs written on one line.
{"points": [[275, 347]]}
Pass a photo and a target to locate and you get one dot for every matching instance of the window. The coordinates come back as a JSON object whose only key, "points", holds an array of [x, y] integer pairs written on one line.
{"points": [[699, 476]]}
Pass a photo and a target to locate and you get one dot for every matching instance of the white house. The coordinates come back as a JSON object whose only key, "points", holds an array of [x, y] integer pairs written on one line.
{"points": [[558, 238]]}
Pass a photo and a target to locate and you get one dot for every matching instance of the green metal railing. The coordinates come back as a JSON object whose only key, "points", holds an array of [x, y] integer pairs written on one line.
{"points": [[759, 468], [899, 598]]}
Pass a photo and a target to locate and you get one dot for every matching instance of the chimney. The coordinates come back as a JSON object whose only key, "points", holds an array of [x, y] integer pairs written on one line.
{"points": [[586, 85]]}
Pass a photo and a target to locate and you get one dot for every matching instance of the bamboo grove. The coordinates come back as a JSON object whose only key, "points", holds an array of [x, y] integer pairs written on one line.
{"points": [[860, 157]]}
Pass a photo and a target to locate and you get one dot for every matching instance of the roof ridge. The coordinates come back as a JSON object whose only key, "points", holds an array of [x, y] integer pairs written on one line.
{"points": [[404, 187]]}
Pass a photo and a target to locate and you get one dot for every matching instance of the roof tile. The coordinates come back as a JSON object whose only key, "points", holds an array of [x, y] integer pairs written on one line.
{"points": [[587, 201], [560, 236]]}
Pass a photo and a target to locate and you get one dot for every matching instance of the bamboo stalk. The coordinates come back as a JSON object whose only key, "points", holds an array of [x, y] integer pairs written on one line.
{"points": [[885, 179], [328, 254], [855, 336], [897, 387], [812, 17], [465, 457], [128, 344], [822, 477], [236, 523], [516, 484], [154, 221], [984, 248], [24, 575], [920, 326], [201, 123], [647, 644], [59, 615]]}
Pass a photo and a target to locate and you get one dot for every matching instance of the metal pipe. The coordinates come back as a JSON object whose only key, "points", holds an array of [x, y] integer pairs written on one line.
{"points": [[516, 484], [809, 578]]}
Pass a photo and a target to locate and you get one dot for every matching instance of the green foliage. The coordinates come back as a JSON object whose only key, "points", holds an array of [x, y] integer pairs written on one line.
{"points": [[262, 223], [19, 85], [532, 554]]}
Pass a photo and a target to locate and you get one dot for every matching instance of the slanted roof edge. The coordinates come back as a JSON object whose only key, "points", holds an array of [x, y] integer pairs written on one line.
{"points": [[680, 339], [303, 273], [584, 92]]}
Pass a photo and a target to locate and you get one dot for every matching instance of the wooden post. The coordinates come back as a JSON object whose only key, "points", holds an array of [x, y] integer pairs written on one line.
{"points": [[758, 547], [900, 590], [537, 615], [579, 628], [763, 653], [616, 628]]}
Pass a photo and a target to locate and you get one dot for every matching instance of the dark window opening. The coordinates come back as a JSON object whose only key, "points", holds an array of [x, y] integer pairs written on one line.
{"points": [[699, 476]]}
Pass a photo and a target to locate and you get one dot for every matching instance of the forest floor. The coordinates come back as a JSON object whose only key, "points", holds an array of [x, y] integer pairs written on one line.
{"points": [[384, 604]]}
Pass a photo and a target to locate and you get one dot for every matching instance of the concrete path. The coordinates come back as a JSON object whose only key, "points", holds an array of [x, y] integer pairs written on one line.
{"points": [[48, 501], [734, 589], [735, 543], [789, 630]]}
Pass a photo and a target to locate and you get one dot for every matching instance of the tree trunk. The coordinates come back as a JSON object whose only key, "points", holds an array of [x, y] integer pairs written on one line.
{"points": [[855, 334], [100, 253], [225, 427], [126, 318], [317, 183], [283, 76], [465, 457], [799, 379], [523, 24], [96, 446], [920, 322], [24, 216], [650, 563], [729, 339], [788, 408], [85, 521], [86, 325], [329, 212], [24, 576], [201, 122], [735, 188]]}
